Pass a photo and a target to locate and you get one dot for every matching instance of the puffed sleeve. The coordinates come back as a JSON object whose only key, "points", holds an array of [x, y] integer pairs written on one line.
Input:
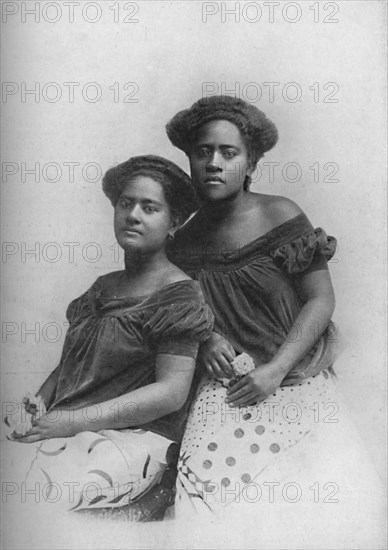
{"points": [[306, 253], [180, 323]]}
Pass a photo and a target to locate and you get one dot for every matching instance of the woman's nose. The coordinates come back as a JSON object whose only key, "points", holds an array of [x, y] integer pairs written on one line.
{"points": [[133, 213], [214, 161]]}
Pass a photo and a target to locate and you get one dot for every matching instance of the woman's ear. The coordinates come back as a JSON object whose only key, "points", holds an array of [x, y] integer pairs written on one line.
{"points": [[176, 223]]}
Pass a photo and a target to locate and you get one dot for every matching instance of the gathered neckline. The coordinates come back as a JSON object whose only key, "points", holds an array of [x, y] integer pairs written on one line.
{"points": [[97, 288], [277, 228], [216, 258]]}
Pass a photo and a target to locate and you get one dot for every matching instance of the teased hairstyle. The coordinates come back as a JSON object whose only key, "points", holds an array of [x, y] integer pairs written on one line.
{"points": [[177, 186], [259, 133]]}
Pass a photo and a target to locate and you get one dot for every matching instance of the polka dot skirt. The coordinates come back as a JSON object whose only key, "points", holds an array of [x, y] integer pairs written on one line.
{"points": [[225, 447]]}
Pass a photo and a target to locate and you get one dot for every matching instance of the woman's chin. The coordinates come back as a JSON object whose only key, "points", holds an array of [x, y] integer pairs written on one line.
{"points": [[128, 242], [131, 247], [211, 194]]}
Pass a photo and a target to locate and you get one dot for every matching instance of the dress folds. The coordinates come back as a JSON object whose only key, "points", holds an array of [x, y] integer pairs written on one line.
{"points": [[253, 290], [110, 349]]}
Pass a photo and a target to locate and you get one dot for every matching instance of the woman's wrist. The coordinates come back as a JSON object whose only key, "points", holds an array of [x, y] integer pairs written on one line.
{"points": [[281, 367], [80, 422]]}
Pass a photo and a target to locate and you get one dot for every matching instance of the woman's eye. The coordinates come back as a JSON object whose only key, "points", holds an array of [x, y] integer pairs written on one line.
{"points": [[229, 154], [203, 152], [149, 209], [125, 203]]}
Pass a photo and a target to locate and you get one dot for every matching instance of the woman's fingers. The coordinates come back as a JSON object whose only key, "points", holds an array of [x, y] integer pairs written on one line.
{"points": [[34, 434], [237, 386], [28, 438], [225, 366], [237, 394], [242, 401], [217, 369], [229, 354], [253, 402], [209, 369], [213, 370], [32, 431]]}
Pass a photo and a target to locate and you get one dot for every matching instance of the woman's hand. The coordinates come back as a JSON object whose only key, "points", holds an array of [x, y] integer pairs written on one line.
{"points": [[22, 419], [255, 386], [217, 355], [56, 423]]}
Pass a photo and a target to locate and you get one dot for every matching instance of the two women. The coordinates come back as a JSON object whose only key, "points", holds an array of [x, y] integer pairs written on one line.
{"points": [[262, 268]]}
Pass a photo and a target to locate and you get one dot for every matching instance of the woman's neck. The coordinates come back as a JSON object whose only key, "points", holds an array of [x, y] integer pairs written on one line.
{"points": [[219, 211], [139, 264]]}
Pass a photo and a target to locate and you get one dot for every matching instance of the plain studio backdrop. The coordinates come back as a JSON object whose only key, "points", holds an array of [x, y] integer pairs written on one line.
{"points": [[89, 84]]}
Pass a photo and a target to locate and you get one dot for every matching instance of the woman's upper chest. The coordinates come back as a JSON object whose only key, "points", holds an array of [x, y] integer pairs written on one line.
{"points": [[232, 230], [226, 245]]}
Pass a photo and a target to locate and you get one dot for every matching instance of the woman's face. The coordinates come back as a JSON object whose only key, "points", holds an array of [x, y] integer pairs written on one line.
{"points": [[219, 161], [142, 218]]}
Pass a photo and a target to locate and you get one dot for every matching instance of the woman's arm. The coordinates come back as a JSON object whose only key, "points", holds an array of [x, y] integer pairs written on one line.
{"points": [[47, 389], [167, 394], [317, 292], [21, 420]]}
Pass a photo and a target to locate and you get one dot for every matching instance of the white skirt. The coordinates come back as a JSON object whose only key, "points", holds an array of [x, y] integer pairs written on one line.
{"points": [[296, 451], [105, 469]]}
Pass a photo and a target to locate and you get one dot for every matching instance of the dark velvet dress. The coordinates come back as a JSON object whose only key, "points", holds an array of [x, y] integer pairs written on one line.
{"points": [[110, 350], [253, 289], [254, 293], [112, 343]]}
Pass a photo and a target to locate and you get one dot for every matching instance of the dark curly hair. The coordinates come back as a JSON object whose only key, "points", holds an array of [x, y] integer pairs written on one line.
{"points": [[176, 184], [259, 133]]}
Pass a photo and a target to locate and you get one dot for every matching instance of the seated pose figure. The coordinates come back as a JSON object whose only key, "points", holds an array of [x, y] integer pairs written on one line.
{"points": [[263, 269], [116, 403]]}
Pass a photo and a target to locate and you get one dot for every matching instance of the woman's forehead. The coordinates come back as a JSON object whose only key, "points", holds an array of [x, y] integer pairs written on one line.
{"points": [[221, 131], [143, 186]]}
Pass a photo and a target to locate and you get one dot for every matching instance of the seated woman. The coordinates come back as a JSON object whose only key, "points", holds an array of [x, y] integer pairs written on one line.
{"points": [[116, 403], [263, 269]]}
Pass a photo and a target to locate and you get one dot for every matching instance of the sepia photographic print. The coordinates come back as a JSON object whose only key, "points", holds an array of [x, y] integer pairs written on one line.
{"points": [[193, 290]]}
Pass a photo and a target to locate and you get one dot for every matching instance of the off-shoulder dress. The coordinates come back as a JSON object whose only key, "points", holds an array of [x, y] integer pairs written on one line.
{"points": [[253, 292]]}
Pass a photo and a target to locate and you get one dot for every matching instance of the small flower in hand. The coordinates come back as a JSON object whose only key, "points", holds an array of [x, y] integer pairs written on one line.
{"points": [[22, 420], [55, 423]]}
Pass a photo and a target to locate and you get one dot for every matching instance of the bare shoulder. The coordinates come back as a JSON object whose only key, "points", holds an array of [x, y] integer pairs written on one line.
{"points": [[277, 208]]}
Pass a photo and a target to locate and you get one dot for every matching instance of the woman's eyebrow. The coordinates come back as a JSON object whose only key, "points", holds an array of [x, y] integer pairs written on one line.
{"points": [[203, 144], [141, 199], [230, 147], [151, 201], [223, 146]]}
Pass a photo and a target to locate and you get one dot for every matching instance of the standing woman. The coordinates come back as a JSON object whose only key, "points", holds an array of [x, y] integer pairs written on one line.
{"points": [[116, 404], [263, 270]]}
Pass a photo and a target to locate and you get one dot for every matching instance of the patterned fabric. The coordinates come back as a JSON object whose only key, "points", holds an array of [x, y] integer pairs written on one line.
{"points": [[110, 349], [106, 470], [226, 449]]}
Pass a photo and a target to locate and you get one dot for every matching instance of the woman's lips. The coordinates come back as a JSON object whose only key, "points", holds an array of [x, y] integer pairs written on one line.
{"points": [[132, 231], [214, 180]]}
